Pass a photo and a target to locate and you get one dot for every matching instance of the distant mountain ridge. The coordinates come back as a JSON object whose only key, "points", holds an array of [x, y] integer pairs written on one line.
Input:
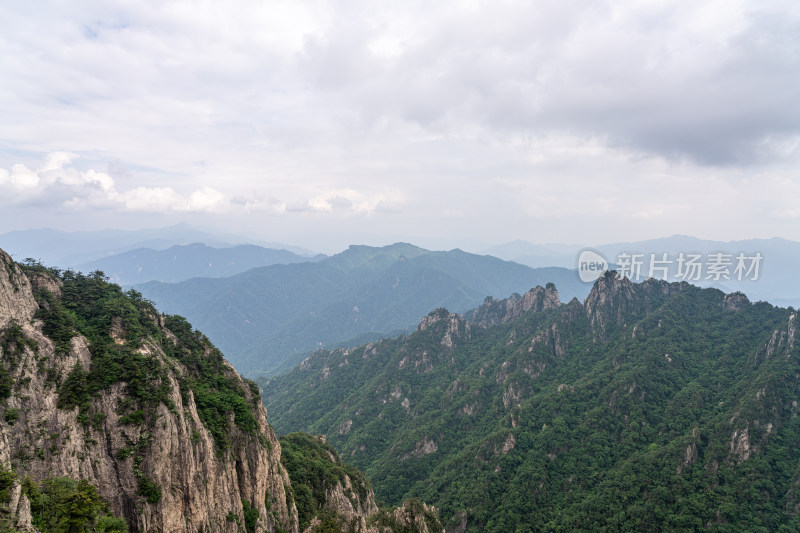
{"points": [[67, 249], [266, 319], [82, 249], [182, 262]]}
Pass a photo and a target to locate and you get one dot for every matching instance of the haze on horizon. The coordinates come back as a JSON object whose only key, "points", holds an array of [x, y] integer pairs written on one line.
{"points": [[323, 124]]}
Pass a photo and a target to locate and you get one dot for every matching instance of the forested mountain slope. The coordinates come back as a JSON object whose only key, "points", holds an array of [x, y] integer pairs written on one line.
{"points": [[648, 407]]}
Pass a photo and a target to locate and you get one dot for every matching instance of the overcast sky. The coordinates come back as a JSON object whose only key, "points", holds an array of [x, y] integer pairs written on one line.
{"points": [[326, 123]]}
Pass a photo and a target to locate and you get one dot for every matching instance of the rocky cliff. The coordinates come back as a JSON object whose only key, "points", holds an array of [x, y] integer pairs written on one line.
{"points": [[95, 385]]}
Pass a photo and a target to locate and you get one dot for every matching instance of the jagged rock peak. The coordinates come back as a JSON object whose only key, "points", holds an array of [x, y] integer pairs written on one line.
{"points": [[608, 287], [493, 311], [456, 327], [615, 299], [434, 317]]}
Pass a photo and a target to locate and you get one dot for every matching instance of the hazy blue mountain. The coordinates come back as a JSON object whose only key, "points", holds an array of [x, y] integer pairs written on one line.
{"points": [[266, 319], [182, 262], [68, 249]]}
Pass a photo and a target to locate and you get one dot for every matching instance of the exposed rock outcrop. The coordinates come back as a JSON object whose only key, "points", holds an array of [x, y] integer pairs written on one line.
{"points": [[614, 300], [414, 516], [493, 311], [452, 326], [735, 301], [424, 447]]}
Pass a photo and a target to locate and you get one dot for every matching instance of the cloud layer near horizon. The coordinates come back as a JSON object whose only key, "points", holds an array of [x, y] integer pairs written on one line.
{"points": [[513, 111], [56, 183]]}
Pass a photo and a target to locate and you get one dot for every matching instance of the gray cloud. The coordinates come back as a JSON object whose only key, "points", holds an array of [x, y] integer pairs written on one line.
{"points": [[488, 114], [676, 80]]}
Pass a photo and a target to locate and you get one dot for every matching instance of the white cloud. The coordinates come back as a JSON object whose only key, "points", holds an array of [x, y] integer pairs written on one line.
{"points": [[23, 178], [156, 199], [56, 161], [57, 184], [207, 199], [350, 201]]}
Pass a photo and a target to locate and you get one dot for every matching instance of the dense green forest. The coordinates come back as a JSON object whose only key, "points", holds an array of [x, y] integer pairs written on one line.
{"points": [[650, 407]]}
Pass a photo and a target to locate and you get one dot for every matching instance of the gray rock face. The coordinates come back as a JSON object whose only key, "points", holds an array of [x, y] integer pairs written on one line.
{"points": [[19, 510], [16, 298], [201, 488], [411, 516], [455, 328], [613, 298], [352, 513], [493, 311], [356, 515]]}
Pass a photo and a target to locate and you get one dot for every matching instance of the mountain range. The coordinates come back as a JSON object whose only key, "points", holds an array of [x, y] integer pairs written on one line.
{"points": [[647, 407], [268, 318]]}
